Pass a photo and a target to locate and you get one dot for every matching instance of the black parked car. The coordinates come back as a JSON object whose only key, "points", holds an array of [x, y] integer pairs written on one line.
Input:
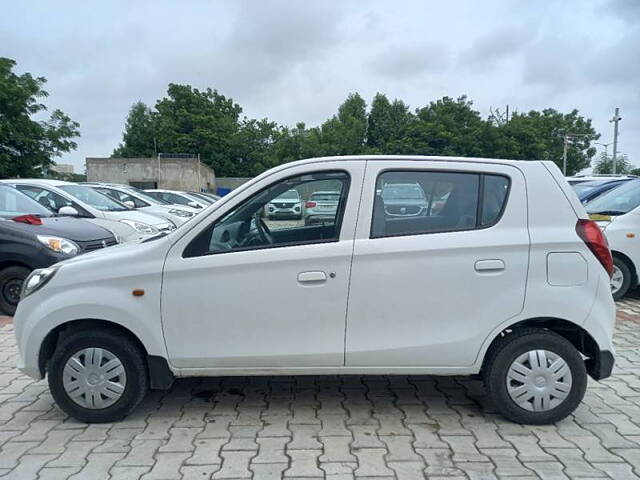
{"points": [[33, 237]]}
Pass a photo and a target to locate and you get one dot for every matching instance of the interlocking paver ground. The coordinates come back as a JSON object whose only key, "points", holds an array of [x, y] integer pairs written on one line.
{"points": [[332, 427]]}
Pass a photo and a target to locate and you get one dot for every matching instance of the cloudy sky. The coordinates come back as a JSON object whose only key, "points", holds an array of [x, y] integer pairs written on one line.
{"points": [[296, 61]]}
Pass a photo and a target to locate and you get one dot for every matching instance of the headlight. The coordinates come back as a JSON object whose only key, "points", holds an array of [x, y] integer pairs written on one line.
{"points": [[180, 213], [59, 244], [36, 280], [141, 227]]}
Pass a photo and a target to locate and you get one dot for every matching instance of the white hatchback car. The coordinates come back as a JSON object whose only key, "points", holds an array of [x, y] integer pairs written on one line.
{"points": [[618, 214], [490, 284]]}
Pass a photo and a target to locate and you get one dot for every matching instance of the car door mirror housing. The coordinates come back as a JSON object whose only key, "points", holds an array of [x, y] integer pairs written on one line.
{"points": [[68, 211], [194, 205], [129, 204]]}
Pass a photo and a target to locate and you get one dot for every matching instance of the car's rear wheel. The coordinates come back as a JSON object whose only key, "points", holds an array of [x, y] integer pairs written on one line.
{"points": [[11, 280], [535, 377], [97, 376], [620, 278]]}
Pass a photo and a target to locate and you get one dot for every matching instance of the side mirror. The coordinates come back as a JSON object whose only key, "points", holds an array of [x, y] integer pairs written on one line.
{"points": [[194, 205], [68, 211], [129, 204]]}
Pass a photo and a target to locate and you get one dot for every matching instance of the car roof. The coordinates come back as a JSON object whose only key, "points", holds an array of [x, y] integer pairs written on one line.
{"points": [[409, 157], [39, 181]]}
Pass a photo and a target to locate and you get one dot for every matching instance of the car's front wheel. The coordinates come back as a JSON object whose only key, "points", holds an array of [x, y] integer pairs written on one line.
{"points": [[11, 280], [97, 375], [535, 377]]}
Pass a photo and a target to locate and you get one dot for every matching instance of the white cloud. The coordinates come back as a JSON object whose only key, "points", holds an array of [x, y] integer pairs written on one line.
{"points": [[296, 61]]}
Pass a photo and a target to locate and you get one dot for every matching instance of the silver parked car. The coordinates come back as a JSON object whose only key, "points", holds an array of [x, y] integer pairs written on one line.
{"points": [[404, 200], [321, 207], [288, 205]]}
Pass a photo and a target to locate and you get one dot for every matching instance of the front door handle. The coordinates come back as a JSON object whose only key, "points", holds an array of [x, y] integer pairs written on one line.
{"points": [[489, 265], [312, 277]]}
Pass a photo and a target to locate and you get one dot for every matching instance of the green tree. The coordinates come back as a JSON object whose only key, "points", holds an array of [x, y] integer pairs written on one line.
{"points": [[604, 165], [28, 146], [204, 122], [254, 147], [446, 127], [540, 136], [387, 124], [345, 133], [139, 136]]}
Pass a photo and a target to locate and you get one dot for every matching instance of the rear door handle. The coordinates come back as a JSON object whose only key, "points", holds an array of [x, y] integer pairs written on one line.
{"points": [[312, 277], [492, 265]]}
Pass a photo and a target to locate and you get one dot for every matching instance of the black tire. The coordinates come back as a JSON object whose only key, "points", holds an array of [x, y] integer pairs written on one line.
{"points": [[11, 279], [126, 350], [508, 350], [626, 278]]}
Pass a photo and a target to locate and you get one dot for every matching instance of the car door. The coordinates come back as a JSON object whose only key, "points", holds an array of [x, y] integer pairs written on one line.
{"points": [[234, 297], [430, 281]]}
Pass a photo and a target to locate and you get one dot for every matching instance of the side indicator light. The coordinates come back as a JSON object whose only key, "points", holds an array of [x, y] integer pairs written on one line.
{"points": [[138, 292], [631, 235]]}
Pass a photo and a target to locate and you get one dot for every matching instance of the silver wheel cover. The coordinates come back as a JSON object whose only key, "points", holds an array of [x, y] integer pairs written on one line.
{"points": [[539, 380], [94, 378], [617, 280]]}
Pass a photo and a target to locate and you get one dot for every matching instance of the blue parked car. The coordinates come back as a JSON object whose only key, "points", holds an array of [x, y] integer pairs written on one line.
{"points": [[587, 191]]}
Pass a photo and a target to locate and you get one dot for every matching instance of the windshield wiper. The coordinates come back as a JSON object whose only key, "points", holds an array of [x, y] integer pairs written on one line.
{"points": [[608, 212]]}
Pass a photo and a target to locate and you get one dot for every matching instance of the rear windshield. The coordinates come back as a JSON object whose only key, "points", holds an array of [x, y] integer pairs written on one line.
{"points": [[617, 201], [325, 196], [403, 192], [96, 199], [14, 203]]}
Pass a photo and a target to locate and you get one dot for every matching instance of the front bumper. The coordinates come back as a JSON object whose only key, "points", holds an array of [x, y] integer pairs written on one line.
{"points": [[601, 367]]}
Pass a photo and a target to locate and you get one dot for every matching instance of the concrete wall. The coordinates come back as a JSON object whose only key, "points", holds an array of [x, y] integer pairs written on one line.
{"points": [[62, 168], [231, 182], [169, 173]]}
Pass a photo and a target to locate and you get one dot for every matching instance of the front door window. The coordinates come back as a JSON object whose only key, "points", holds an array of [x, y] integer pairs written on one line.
{"points": [[298, 210]]}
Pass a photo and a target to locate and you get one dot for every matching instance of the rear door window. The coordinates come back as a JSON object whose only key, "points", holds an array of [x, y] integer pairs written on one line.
{"points": [[420, 202]]}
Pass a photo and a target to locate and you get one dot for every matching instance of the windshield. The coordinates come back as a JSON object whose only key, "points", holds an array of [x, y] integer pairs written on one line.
{"points": [[141, 194], [14, 204], [617, 201], [325, 196], [585, 187], [402, 192], [202, 198], [95, 199]]}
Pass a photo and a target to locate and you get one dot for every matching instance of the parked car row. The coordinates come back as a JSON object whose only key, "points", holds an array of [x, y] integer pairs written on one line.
{"points": [[45, 221], [614, 203]]}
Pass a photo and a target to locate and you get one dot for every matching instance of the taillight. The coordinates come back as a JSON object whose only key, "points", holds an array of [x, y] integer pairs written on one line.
{"points": [[30, 219], [310, 204], [592, 236]]}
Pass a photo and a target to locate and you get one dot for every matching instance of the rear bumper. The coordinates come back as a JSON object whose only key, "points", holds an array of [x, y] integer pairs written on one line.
{"points": [[601, 367]]}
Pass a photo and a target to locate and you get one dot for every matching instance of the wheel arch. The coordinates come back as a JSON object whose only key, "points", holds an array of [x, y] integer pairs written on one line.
{"points": [[14, 263], [160, 375], [632, 267], [575, 334]]}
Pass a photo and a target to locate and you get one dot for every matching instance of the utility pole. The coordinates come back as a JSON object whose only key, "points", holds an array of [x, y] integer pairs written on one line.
{"points": [[616, 118], [564, 155]]}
